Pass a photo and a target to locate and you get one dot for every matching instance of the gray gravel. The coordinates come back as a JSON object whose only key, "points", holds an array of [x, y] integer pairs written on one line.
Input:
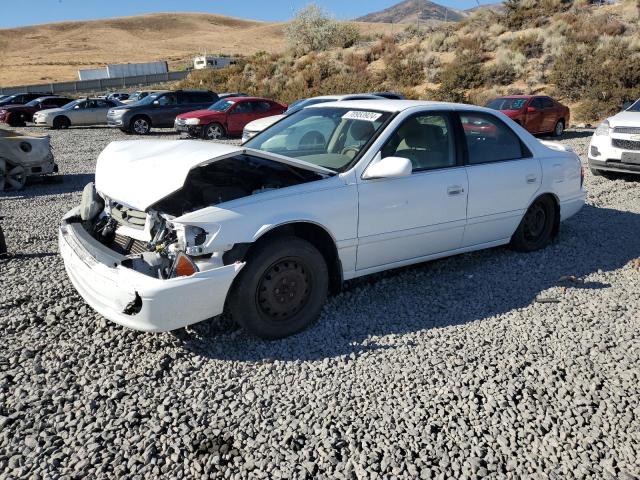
{"points": [[492, 364]]}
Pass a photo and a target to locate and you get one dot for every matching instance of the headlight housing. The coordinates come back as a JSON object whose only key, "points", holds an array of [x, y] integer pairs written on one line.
{"points": [[192, 121], [604, 128]]}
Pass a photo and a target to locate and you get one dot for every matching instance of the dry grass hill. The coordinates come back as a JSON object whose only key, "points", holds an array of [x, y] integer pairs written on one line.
{"points": [[55, 51]]}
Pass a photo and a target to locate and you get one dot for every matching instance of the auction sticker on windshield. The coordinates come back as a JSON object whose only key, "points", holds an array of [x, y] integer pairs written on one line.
{"points": [[360, 115]]}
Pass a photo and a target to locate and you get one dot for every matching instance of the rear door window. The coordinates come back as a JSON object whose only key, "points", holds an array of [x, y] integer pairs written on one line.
{"points": [[489, 140], [547, 102]]}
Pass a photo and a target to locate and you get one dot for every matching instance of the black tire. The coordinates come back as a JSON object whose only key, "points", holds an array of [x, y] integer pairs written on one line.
{"points": [[16, 121], [281, 289], [124, 130], [558, 130], [537, 226], [213, 131], [3, 245], [61, 122], [140, 125], [595, 172]]}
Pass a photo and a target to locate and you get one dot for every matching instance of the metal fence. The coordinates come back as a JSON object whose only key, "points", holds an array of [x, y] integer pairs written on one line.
{"points": [[98, 85]]}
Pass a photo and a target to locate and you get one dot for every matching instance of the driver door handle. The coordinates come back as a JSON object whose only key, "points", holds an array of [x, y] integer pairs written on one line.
{"points": [[454, 190], [531, 178]]}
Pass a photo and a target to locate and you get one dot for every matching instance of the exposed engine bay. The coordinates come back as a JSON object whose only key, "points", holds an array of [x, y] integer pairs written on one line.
{"points": [[154, 244]]}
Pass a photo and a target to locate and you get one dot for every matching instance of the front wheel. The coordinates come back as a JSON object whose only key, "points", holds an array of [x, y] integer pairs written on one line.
{"points": [[140, 126], [281, 289], [61, 122], [536, 228], [213, 131]]}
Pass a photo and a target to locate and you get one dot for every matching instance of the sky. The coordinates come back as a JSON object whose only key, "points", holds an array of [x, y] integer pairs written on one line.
{"points": [[17, 13]]}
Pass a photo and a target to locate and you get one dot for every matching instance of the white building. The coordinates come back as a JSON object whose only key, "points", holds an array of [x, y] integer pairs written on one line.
{"points": [[210, 61]]}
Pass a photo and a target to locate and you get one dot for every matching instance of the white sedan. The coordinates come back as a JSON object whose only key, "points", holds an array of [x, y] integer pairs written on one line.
{"points": [[268, 233], [86, 111], [615, 145]]}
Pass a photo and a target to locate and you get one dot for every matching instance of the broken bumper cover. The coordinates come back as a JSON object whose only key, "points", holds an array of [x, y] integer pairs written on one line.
{"points": [[151, 304]]}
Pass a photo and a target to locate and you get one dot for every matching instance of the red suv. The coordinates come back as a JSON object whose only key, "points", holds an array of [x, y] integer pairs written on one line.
{"points": [[536, 113], [226, 117]]}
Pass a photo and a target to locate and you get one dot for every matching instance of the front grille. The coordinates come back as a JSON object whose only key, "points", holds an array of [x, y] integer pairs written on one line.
{"points": [[128, 216], [631, 130], [126, 245], [180, 121], [625, 144]]}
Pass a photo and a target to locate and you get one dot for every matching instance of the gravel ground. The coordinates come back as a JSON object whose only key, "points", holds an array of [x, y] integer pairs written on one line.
{"points": [[492, 364]]}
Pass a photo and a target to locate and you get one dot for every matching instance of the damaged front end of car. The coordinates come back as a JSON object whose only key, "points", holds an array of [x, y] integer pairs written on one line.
{"points": [[146, 263]]}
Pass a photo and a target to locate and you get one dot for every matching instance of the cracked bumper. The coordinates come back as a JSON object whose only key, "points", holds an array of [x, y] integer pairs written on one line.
{"points": [[109, 288]]}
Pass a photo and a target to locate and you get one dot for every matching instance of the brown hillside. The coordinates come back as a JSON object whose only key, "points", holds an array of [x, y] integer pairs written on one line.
{"points": [[54, 52]]}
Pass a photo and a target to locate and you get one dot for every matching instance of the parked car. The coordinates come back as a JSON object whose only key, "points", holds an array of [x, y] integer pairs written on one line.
{"points": [[228, 95], [22, 98], [22, 156], [536, 113], [226, 117], [119, 96], [18, 115], [615, 145], [389, 95], [86, 111], [267, 232], [257, 126], [137, 96], [159, 110]]}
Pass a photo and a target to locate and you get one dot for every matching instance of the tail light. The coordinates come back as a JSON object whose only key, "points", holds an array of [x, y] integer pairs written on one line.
{"points": [[183, 266]]}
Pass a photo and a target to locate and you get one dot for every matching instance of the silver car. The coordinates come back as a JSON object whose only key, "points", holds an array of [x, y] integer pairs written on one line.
{"points": [[86, 111]]}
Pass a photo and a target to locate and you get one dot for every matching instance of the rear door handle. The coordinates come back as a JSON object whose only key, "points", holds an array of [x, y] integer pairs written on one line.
{"points": [[531, 178], [454, 190]]}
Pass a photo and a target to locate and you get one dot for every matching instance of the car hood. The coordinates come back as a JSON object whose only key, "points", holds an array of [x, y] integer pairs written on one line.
{"points": [[201, 114], [139, 173], [625, 119], [263, 123], [12, 106]]}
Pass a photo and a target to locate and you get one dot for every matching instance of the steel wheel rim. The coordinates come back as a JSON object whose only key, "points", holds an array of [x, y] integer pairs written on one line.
{"points": [[213, 132], [284, 289], [535, 221], [140, 126]]}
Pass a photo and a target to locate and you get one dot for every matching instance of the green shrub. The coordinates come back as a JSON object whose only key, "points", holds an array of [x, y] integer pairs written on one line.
{"points": [[531, 46], [461, 75], [404, 70], [499, 74], [313, 30]]}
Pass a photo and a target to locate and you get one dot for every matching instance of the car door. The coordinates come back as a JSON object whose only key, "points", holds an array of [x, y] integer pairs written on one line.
{"points": [[420, 215], [82, 113], [101, 109], [534, 116], [550, 114], [503, 179], [238, 116], [166, 110]]}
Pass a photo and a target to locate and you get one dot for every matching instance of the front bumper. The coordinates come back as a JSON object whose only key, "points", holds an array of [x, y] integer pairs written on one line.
{"points": [[192, 130], [603, 155], [153, 305], [40, 121], [115, 122]]}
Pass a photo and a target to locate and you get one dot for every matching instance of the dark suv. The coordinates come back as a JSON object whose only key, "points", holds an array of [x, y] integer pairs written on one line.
{"points": [[21, 98], [158, 110]]}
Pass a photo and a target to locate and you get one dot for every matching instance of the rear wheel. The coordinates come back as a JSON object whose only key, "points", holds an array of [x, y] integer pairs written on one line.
{"points": [[281, 289], [558, 130], [140, 125], [61, 122], [536, 228], [16, 120], [213, 131], [12, 176]]}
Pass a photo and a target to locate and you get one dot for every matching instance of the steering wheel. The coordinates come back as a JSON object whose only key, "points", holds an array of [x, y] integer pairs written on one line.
{"points": [[311, 139], [345, 151]]}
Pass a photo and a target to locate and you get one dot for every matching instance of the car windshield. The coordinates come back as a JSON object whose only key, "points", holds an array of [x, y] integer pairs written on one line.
{"points": [[324, 136], [507, 103], [221, 106], [70, 105], [149, 99], [9, 98], [33, 103], [635, 107]]}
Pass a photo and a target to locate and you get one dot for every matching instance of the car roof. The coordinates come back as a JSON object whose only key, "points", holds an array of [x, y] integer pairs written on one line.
{"points": [[244, 99], [395, 106]]}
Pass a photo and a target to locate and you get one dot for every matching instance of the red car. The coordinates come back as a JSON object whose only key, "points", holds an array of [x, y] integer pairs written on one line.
{"points": [[226, 117], [18, 115], [536, 113]]}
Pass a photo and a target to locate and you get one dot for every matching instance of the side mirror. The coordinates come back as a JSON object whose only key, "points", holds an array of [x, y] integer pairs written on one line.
{"points": [[77, 107], [389, 167], [156, 102], [531, 109]]}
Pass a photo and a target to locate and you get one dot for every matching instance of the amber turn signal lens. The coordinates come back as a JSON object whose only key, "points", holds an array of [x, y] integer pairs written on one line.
{"points": [[183, 266]]}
